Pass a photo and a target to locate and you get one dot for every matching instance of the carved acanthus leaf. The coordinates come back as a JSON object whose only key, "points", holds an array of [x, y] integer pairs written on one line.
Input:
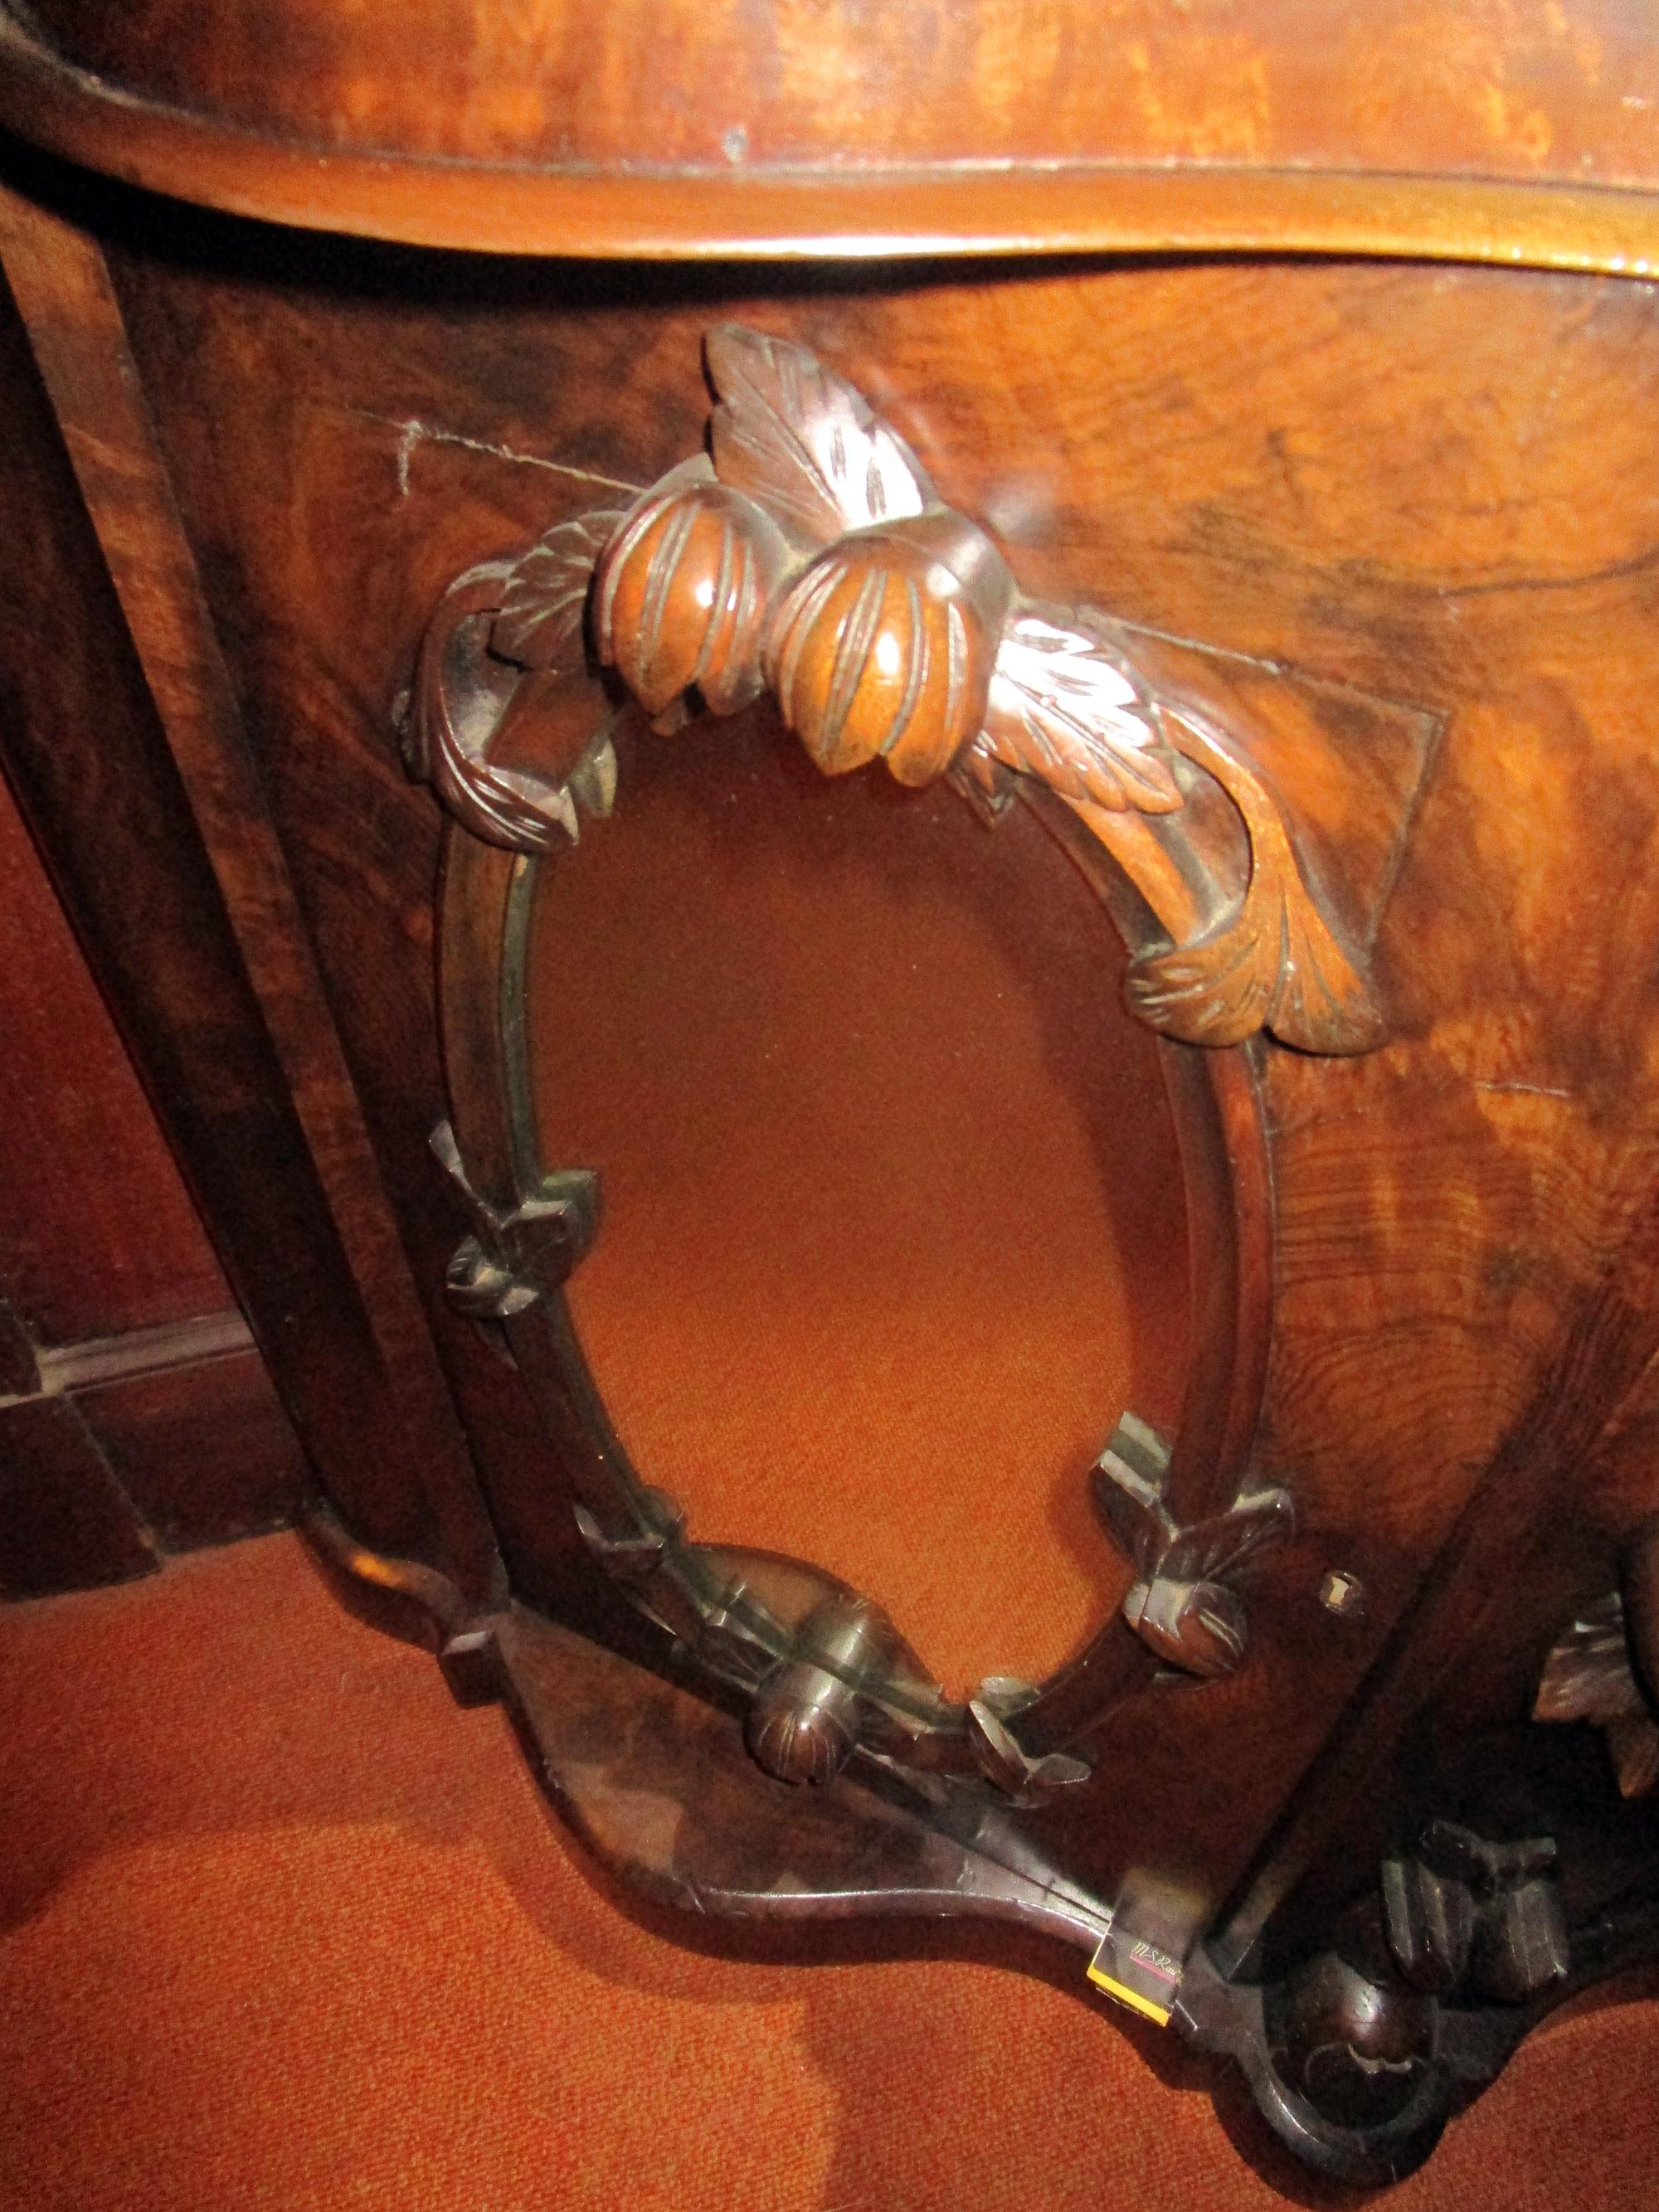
{"points": [[1273, 961], [1184, 1605], [1063, 709], [544, 602], [800, 440], [811, 557], [1028, 1779]]}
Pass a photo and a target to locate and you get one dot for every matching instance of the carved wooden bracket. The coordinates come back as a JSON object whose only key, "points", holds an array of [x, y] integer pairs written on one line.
{"points": [[808, 556], [513, 1259], [1184, 1604]]}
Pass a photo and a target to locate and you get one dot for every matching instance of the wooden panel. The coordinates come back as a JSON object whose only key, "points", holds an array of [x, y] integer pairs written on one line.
{"points": [[338, 468], [91, 770], [96, 1232], [1431, 487]]}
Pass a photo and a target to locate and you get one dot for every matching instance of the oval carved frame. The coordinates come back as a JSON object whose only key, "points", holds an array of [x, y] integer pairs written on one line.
{"points": [[809, 557]]}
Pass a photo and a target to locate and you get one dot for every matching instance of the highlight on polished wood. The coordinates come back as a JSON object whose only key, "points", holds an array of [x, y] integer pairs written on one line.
{"points": [[555, 557], [1518, 133], [809, 555]]}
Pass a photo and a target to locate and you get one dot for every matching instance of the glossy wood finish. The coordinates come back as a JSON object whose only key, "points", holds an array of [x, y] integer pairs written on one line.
{"points": [[96, 1232], [810, 557], [138, 1417], [1426, 1074], [1391, 1368], [1280, 541], [1414, 499], [1489, 136], [173, 968], [1558, 94]]}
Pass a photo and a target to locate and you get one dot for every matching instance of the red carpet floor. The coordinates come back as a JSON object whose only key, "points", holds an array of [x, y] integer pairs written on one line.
{"points": [[279, 1926]]}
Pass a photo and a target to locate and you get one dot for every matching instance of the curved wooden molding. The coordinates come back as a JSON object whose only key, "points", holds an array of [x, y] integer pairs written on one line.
{"points": [[825, 1671], [808, 557], [1112, 199], [764, 1626], [466, 701]]}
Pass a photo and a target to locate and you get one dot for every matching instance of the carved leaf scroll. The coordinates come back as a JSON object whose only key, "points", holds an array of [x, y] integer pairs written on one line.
{"points": [[1185, 1604], [1273, 962], [470, 699], [811, 557], [1063, 709], [800, 440], [544, 608], [1061, 706]]}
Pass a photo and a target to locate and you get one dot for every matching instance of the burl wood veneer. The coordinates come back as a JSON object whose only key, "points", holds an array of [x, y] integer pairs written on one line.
{"points": [[909, 979]]}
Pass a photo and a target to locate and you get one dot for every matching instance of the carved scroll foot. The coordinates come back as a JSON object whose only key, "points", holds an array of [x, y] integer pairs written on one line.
{"points": [[407, 1599], [660, 1785]]}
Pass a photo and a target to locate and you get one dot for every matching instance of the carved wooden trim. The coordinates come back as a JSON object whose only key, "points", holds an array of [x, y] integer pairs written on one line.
{"points": [[826, 1671], [766, 1628], [1103, 201], [809, 557], [1185, 1604], [467, 700]]}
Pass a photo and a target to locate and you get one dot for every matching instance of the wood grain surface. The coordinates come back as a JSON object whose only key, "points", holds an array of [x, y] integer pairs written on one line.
{"points": [[96, 1231], [1420, 493], [1513, 130], [1427, 484]]}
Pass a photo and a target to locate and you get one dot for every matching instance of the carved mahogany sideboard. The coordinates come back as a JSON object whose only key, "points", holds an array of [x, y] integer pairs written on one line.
{"points": [[1057, 1322]]}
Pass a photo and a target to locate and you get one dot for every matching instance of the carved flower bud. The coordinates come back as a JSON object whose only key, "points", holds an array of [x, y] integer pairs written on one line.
{"points": [[680, 592], [803, 1724], [884, 644], [805, 1717]]}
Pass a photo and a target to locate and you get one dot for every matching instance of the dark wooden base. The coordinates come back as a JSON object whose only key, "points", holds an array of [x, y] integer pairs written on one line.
{"points": [[1462, 2050], [1352, 2068]]}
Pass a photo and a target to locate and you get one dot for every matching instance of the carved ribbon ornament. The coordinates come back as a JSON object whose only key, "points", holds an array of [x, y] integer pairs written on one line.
{"points": [[807, 555]]}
